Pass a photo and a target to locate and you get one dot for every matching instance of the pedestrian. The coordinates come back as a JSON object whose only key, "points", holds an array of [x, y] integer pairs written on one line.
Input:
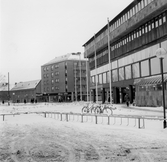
{"points": [[108, 99], [127, 99]]}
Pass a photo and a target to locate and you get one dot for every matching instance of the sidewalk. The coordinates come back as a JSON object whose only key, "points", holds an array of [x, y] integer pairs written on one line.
{"points": [[151, 109]]}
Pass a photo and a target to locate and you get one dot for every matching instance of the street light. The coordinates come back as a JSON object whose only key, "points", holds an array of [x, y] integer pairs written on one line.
{"points": [[161, 53]]}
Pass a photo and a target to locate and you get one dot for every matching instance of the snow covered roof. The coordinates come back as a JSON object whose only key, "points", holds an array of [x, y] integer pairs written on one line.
{"points": [[70, 56], [25, 85]]}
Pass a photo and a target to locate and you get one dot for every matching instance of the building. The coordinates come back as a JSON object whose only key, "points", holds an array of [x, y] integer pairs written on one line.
{"points": [[4, 92], [29, 91], [134, 36], [63, 79]]}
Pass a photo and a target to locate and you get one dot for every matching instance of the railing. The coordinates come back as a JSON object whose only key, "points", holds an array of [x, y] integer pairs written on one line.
{"points": [[124, 120]]}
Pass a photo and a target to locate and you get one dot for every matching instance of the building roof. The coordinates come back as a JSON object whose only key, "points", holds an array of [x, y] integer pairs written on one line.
{"points": [[25, 85], [150, 80], [70, 56]]}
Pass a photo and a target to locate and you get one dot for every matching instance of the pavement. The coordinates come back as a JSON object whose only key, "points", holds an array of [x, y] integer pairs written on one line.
{"points": [[151, 109]]}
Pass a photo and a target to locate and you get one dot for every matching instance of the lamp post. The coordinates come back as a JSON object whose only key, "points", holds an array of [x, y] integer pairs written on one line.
{"points": [[8, 91], [13, 97], [161, 53], [80, 77], [75, 83]]}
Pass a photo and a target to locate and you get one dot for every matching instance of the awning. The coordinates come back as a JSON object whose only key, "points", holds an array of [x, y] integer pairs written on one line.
{"points": [[150, 81]]}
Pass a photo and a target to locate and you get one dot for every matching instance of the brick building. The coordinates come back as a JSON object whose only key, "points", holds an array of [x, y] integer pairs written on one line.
{"points": [[26, 91]]}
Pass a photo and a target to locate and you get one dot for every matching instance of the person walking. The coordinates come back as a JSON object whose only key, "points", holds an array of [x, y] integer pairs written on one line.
{"points": [[127, 99]]}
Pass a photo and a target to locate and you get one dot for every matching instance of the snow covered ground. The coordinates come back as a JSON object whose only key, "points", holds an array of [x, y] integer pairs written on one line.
{"points": [[33, 138]]}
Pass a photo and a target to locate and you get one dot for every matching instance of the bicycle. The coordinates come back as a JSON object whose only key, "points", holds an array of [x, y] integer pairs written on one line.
{"points": [[104, 109], [88, 108]]}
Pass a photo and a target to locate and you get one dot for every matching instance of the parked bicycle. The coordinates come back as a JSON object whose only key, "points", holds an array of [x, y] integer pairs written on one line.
{"points": [[105, 109], [89, 108]]}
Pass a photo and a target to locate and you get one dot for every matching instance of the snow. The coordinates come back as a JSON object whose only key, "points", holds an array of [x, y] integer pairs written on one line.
{"points": [[32, 138]]}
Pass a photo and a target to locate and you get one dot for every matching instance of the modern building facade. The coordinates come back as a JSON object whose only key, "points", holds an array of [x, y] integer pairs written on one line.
{"points": [[64, 78], [134, 36], [29, 91]]}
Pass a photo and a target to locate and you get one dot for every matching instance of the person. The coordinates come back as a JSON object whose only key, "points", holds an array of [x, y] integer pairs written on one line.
{"points": [[127, 99], [108, 99]]}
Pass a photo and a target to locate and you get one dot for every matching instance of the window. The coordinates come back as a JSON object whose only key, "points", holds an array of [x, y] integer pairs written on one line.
{"points": [[156, 23], [57, 80], [56, 66], [57, 73], [121, 73], [128, 73], [100, 78], [104, 78], [145, 68], [108, 77], [115, 75], [164, 18], [135, 70], [160, 20], [155, 66]]}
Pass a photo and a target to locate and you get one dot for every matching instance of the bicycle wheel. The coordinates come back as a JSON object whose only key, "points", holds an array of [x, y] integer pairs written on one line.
{"points": [[93, 110], [97, 110], [84, 109], [107, 111]]}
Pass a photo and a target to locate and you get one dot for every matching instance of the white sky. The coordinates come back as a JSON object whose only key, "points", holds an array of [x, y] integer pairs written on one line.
{"points": [[33, 32]]}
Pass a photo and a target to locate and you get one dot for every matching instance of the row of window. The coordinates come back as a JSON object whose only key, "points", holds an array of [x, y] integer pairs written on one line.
{"points": [[137, 70], [52, 74], [46, 68], [138, 7], [146, 33], [45, 82]]}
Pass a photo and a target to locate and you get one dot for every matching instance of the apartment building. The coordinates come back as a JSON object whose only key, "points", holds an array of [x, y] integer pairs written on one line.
{"points": [[64, 78]]}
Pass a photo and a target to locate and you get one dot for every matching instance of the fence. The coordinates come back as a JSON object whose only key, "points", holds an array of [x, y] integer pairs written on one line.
{"points": [[124, 120]]}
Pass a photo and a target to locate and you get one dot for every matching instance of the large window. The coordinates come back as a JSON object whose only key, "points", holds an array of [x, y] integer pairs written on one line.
{"points": [[128, 73], [135, 70], [104, 78], [155, 66], [121, 73], [115, 75], [108, 77], [100, 78], [145, 68]]}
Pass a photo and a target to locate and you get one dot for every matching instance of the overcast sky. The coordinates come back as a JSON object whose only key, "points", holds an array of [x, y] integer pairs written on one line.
{"points": [[33, 32]]}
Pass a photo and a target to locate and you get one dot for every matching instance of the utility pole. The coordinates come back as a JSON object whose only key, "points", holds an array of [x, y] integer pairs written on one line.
{"points": [[8, 91]]}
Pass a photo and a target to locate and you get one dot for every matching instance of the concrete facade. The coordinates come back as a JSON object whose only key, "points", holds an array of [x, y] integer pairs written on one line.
{"points": [[134, 36]]}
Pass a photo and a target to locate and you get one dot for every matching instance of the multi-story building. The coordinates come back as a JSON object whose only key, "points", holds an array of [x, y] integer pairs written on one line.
{"points": [[64, 78], [26, 91], [134, 36]]}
